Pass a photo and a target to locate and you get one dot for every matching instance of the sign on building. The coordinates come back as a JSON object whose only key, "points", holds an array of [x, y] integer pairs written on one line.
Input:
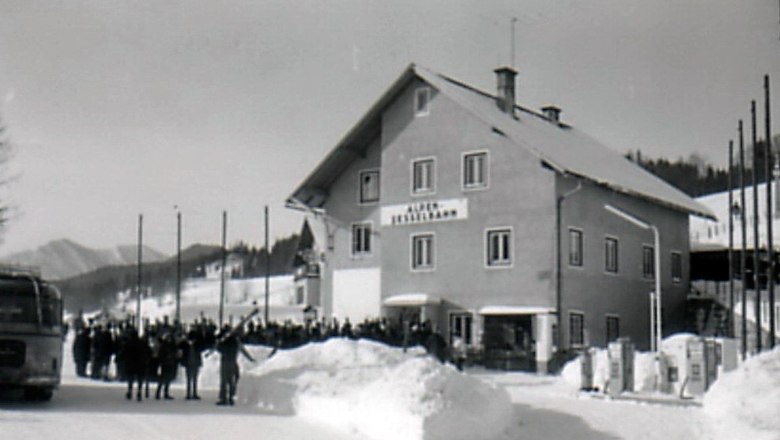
{"points": [[425, 212]]}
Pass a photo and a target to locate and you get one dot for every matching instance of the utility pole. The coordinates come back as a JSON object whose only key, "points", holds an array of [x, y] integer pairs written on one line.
{"points": [[755, 226], [743, 225], [267, 267], [769, 216], [731, 240], [222, 273], [178, 267], [140, 264], [512, 42]]}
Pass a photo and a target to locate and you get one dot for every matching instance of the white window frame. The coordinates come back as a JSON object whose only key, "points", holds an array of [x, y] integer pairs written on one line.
{"points": [[425, 92], [607, 269], [452, 315], [580, 249], [503, 263], [675, 279], [648, 275], [363, 172], [431, 189], [485, 183], [361, 253], [431, 250]]}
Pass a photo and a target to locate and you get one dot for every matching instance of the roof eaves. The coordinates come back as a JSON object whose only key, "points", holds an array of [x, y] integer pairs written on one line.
{"points": [[332, 159]]}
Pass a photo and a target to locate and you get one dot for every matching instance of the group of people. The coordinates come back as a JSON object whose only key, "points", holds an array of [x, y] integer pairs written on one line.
{"points": [[155, 354]]}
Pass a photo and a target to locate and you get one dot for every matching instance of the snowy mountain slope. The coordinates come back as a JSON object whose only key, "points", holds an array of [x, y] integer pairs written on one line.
{"points": [[65, 258]]}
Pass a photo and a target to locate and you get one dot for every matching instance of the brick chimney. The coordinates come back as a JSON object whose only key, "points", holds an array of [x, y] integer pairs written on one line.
{"points": [[552, 113], [505, 98]]}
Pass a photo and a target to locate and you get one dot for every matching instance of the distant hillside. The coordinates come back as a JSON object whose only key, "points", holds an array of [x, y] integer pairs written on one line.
{"points": [[696, 177], [99, 288], [64, 258]]}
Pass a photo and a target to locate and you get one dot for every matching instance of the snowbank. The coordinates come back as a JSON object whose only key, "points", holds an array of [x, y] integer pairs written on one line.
{"points": [[379, 391], [747, 400], [644, 371]]}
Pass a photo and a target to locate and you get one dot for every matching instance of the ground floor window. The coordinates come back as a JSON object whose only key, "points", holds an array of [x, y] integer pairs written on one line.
{"points": [[460, 327], [576, 329], [613, 328]]}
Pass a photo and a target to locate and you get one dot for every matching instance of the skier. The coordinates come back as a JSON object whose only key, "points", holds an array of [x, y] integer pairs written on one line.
{"points": [[229, 345]]}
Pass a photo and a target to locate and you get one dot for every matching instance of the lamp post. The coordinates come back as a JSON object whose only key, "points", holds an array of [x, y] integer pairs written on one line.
{"points": [[657, 262]]}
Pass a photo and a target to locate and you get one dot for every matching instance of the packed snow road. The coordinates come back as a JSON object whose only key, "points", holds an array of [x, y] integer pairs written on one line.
{"points": [[91, 410]]}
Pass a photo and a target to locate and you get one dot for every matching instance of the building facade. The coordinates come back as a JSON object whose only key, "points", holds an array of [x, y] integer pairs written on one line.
{"points": [[450, 205]]}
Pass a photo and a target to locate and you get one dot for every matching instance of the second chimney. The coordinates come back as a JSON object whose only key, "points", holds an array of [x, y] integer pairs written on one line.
{"points": [[552, 113], [505, 98]]}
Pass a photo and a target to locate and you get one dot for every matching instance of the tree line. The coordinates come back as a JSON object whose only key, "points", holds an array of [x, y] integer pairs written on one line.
{"points": [[696, 177]]}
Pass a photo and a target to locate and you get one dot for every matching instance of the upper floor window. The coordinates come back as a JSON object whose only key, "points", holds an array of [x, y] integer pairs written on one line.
{"points": [[611, 255], [575, 247], [499, 247], [423, 178], [475, 170], [369, 186], [422, 252], [361, 239], [676, 266], [422, 99], [648, 262]]}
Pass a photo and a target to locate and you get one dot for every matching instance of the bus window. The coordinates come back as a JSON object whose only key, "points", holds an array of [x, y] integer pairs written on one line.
{"points": [[17, 307], [51, 307]]}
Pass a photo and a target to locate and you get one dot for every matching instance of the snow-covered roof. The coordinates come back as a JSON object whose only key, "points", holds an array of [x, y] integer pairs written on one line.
{"points": [[515, 310], [708, 235], [563, 148], [410, 300]]}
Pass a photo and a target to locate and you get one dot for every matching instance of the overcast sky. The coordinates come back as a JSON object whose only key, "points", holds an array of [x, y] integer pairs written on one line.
{"points": [[126, 107]]}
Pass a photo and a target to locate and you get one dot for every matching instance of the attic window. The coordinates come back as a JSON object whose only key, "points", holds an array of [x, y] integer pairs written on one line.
{"points": [[422, 97]]}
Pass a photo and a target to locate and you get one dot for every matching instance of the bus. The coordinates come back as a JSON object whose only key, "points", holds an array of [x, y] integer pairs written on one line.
{"points": [[31, 333]]}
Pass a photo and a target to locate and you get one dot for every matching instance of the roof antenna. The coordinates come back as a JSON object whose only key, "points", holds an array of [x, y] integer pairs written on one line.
{"points": [[512, 42]]}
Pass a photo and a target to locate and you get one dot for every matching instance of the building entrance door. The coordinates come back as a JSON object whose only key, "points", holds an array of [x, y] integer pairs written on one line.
{"points": [[509, 342]]}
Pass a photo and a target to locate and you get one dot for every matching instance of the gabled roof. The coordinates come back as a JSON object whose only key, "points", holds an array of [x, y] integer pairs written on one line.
{"points": [[561, 147]]}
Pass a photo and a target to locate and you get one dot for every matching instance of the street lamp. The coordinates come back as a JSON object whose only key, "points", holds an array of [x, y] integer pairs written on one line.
{"points": [[655, 344]]}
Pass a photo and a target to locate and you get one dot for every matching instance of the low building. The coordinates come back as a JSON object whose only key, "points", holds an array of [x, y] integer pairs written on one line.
{"points": [[448, 204]]}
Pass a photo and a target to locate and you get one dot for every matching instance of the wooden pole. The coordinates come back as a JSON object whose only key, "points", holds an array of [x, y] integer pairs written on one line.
{"points": [[222, 273], [756, 243], [731, 241], [178, 267], [140, 265], [769, 216], [743, 225], [267, 268]]}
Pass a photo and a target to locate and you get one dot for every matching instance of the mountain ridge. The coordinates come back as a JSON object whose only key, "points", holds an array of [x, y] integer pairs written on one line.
{"points": [[64, 258]]}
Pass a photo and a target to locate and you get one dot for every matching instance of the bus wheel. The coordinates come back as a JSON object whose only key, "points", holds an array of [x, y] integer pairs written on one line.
{"points": [[37, 394]]}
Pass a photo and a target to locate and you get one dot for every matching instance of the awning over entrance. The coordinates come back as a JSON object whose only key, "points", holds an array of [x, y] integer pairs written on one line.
{"points": [[515, 310], [410, 300]]}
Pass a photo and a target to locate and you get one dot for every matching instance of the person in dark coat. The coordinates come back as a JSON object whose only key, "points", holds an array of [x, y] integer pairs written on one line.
{"points": [[191, 361], [169, 362], [81, 348], [229, 346], [136, 353]]}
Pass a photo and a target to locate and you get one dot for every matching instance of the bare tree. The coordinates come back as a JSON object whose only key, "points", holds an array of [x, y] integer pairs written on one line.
{"points": [[6, 152]]}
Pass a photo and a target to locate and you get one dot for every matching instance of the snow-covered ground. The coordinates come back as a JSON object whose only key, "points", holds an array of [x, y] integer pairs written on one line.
{"points": [[343, 389]]}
